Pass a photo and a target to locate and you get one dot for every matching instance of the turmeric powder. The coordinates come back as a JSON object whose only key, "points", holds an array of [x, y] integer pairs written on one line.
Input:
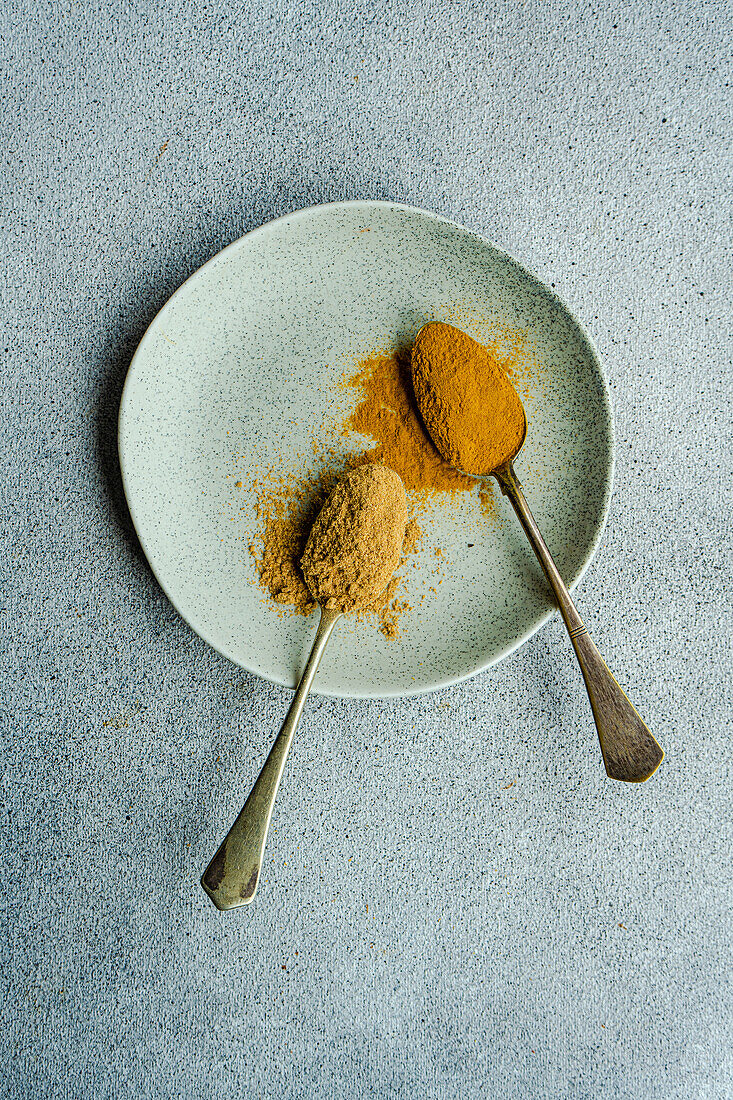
{"points": [[469, 406], [387, 413]]}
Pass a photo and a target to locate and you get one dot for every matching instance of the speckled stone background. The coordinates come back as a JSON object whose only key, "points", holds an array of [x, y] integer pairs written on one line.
{"points": [[458, 903]]}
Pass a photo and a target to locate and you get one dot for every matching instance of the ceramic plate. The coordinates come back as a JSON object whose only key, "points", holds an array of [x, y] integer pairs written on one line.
{"points": [[243, 368]]}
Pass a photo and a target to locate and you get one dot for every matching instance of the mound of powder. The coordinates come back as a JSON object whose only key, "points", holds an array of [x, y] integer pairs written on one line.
{"points": [[355, 543], [468, 403]]}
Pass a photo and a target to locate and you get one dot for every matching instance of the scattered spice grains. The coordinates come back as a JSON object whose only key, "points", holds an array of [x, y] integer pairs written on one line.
{"points": [[413, 534], [286, 512], [386, 413]]}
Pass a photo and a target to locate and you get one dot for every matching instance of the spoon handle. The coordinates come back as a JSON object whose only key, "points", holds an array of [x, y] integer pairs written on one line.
{"points": [[629, 751], [232, 876]]}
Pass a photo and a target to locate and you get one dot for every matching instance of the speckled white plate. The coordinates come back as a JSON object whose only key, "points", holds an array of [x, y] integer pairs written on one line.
{"points": [[243, 363]]}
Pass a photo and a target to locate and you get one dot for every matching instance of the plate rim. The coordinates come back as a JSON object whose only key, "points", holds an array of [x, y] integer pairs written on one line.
{"points": [[548, 292]]}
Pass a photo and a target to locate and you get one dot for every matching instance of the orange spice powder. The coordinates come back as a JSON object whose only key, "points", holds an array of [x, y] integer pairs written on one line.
{"points": [[386, 413]]}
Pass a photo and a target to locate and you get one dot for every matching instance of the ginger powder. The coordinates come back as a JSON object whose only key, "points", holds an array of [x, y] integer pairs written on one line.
{"points": [[356, 541]]}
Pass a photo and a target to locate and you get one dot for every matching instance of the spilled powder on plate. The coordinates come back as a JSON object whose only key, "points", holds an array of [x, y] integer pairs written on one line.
{"points": [[386, 412]]}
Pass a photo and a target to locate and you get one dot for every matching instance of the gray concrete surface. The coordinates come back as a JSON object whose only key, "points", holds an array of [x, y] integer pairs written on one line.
{"points": [[427, 929]]}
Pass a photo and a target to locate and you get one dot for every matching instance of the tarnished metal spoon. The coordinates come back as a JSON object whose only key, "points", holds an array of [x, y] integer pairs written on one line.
{"points": [[352, 551], [232, 876], [630, 752]]}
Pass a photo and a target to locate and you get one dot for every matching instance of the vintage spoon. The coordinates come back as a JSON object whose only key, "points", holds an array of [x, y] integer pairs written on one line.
{"points": [[232, 876], [630, 752], [352, 551]]}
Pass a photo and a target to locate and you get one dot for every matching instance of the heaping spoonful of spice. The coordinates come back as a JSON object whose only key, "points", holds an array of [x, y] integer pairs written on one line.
{"points": [[477, 422], [352, 551]]}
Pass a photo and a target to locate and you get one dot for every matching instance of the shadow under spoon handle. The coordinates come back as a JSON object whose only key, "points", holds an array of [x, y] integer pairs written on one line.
{"points": [[630, 752], [232, 876]]}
